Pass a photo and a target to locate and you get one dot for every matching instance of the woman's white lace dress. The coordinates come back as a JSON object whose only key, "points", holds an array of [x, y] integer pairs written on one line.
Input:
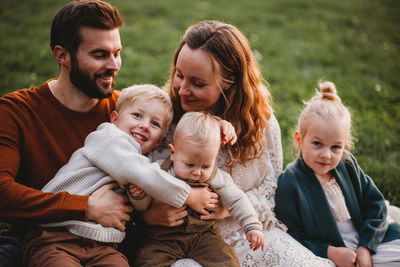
{"points": [[258, 178]]}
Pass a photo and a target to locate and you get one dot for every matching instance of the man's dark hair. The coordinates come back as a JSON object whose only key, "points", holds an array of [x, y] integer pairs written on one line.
{"points": [[77, 14]]}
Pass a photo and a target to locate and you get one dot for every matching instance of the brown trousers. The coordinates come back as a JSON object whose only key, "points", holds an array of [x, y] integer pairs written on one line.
{"points": [[207, 248], [59, 248]]}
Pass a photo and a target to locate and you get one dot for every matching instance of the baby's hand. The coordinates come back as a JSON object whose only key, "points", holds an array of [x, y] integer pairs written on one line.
{"points": [[256, 239], [228, 134], [136, 192]]}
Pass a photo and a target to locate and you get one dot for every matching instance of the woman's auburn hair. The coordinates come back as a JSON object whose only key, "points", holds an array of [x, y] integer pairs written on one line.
{"points": [[246, 104]]}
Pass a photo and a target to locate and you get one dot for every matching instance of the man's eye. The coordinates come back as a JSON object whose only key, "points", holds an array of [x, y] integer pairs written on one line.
{"points": [[99, 55]]}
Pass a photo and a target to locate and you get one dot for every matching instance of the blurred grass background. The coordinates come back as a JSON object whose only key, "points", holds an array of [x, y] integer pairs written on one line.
{"points": [[353, 43]]}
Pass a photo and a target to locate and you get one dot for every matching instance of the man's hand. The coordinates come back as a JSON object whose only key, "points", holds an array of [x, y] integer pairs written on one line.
{"points": [[109, 208], [163, 214]]}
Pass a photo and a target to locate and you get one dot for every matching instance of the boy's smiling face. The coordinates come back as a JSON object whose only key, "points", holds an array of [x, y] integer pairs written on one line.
{"points": [[144, 120]]}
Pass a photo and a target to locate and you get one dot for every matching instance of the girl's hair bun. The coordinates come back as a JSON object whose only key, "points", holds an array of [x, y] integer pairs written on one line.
{"points": [[328, 91]]}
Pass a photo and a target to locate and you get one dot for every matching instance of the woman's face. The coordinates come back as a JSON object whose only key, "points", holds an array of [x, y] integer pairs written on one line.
{"points": [[196, 80]]}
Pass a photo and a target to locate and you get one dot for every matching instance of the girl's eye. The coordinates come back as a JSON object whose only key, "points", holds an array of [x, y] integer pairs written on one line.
{"points": [[206, 167], [137, 115], [315, 143], [190, 164], [336, 147]]}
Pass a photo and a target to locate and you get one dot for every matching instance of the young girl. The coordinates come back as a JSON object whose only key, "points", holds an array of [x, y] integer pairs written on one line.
{"points": [[325, 199]]}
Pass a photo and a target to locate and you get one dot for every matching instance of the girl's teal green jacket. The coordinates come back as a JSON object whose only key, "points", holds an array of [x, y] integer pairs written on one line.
{"points": [[302, 206]]}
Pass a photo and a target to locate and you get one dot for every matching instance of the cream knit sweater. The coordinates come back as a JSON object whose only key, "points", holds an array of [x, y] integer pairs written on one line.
{"points": [[109, 155]]}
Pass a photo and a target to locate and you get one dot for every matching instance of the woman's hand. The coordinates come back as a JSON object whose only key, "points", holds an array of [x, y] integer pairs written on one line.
{"points": [[342, 257], [228, 133], [163, 214], [363, 257], [216, 214], [109, 208], [202, 199], [256, 239]]}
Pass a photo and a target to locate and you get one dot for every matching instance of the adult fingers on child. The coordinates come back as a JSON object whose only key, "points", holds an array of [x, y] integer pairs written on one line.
{"points": [[107, 207], [163, 214]]}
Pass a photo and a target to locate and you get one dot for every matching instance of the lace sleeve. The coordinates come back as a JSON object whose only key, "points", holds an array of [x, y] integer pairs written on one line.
{"points": [[258, 178]]}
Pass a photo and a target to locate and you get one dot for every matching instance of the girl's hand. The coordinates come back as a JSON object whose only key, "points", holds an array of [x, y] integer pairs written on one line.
{"points": [[342, 257], [228, 134], [202, 199], [163, 214], [136, 192], [256, 239], [217, 213], [363, 257]]}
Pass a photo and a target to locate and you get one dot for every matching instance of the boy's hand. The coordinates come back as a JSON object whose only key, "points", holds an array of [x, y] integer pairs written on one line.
{"points": [[256, 239], [341, 256], [201, 199], [136, 192], [363, 257], [228, 134]]}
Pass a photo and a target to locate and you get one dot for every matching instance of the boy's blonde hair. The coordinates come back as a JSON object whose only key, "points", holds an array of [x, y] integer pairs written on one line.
{"points": [[146, 92], [199, 128], [326, 104]]}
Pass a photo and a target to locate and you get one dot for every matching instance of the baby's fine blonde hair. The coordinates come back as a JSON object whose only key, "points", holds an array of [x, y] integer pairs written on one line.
{"points": [[328, 105], [146, 92], [199, 128]]}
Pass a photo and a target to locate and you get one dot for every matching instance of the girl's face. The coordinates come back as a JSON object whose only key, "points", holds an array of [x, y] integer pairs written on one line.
{"points": [[197, 80], [322, 145]]}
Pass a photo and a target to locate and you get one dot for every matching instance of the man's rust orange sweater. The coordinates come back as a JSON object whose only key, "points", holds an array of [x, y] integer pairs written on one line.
{"points": [[37, 136]]}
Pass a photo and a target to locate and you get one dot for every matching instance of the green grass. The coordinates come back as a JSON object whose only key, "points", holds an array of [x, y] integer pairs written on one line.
{"points": [[353, 43]]}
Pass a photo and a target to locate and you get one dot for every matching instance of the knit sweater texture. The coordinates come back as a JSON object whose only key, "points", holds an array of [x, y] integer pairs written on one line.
{"points": [[37, 137], [108, 155]]}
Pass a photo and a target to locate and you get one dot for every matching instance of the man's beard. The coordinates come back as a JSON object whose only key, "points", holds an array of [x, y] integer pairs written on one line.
{"points": [[87, 84]]}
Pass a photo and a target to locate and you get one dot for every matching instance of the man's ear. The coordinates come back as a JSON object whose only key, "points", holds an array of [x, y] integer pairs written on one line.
{"points": [[171, 151], [113, 116], [62, 56], [298, 139]]}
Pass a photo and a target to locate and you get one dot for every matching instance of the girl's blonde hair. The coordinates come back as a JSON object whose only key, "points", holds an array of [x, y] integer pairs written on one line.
{"points": [[246, 104], [146, 92], [328, 105], [199, 128]]}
